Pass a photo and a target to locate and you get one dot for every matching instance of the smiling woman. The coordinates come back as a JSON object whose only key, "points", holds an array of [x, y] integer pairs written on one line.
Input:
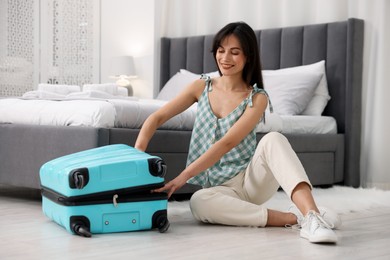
{"points": [[237, 174]]}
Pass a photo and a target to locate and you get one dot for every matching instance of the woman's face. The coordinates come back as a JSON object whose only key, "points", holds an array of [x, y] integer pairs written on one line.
{"points": [[230, 56]]}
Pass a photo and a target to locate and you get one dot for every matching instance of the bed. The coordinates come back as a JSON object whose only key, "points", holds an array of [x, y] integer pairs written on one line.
{"points": [[329, 157]]}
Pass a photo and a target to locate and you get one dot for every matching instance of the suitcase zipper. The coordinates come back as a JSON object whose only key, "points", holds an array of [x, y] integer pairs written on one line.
{"points": [[137, 194]]}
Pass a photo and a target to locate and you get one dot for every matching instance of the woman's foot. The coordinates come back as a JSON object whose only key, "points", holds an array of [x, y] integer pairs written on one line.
{"points": [[315, 229], [330, 217]]}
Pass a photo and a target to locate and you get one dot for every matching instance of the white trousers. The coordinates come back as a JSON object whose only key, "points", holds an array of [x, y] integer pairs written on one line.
{"points": [[238, 202]]}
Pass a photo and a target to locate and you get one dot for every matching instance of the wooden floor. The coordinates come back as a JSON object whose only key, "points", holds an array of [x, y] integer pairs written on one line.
{"points": [[25, 233]]}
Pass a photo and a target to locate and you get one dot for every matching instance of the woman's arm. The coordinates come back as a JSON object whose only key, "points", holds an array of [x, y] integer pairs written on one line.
{"points": [[233, 137], [177, 105]]}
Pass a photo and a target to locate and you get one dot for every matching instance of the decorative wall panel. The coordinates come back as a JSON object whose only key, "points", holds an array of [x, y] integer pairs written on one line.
{"points": [[17, 43], [71, 41], [48, 41]]}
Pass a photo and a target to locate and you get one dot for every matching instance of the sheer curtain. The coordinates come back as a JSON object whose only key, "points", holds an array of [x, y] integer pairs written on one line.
{"points": [[195, 17]]}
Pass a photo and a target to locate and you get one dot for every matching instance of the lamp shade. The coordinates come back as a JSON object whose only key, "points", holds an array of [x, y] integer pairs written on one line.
{"points": [[123, 65]]}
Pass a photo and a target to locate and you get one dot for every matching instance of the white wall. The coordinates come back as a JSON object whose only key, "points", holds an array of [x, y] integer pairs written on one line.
{"points": [[128, 29]]}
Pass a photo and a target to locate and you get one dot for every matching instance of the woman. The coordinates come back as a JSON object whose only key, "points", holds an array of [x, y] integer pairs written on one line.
{"points": [[237, 177]]}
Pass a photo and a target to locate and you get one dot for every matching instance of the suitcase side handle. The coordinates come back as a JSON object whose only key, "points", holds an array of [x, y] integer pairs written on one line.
{"points": [[157, 167]]}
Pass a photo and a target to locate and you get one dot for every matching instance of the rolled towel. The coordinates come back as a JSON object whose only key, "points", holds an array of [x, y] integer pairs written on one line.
{"points": [[59, 89], [110, 88]]}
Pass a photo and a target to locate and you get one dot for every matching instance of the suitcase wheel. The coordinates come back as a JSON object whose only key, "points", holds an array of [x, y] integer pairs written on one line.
{"points": [[160, 221], [79, 178], [79, 181], [163, 225], [80, 226], [82, 231], [157, 167]]}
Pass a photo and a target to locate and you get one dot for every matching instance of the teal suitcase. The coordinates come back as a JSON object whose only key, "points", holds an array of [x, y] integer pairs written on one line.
{"points": [[104, 190]]}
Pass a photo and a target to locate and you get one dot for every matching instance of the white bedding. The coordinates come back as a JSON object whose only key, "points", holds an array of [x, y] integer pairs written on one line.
{"points": [[115, 112], [96, 113], [309, 124], [288, 124], [132, 114], [128, 112]]}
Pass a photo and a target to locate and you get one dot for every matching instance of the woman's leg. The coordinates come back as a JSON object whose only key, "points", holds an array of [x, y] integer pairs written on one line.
{"points": [[221, 205], [238, 201], [280, 219], [225, 205], [275, 163], [303, 198]]}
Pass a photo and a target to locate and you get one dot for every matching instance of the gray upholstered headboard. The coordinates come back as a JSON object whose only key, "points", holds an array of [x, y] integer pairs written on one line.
{"points": [[340, 44]]}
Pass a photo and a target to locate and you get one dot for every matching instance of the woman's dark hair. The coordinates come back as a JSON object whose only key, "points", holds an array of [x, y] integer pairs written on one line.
{"points": [[247, 38]]}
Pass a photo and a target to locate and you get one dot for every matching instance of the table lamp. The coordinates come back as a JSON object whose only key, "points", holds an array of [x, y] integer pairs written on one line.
{"points": [[123, 70]]}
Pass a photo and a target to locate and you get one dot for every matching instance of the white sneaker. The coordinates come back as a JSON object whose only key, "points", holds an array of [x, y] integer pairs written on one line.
{"points": [[330, 217], [315, 229]]}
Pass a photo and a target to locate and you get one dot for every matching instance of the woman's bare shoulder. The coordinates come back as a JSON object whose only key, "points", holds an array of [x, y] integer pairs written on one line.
{"points": [[260, 100], [196, 87]]}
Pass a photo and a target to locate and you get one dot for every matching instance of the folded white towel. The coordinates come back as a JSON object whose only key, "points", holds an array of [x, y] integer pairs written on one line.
{"points": [[110, 88], [59, 89], [41, 94]]}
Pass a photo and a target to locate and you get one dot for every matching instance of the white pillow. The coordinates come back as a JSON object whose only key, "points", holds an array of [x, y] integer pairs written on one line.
{"points": [[178, 82], [290, 93], [321, 95], [175, 85]]}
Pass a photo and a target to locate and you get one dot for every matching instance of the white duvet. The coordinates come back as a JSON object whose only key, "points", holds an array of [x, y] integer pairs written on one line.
{"points": [[133, 113], [101, 110], [96, 113], [86, 109]]}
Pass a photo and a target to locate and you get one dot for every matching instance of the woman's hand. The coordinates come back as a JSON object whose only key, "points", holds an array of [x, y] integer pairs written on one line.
{"points": [[173, 185]]}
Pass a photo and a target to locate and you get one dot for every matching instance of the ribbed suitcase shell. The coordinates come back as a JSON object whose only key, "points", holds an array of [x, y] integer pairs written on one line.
{"points": [[114, 194], [110, 167]]}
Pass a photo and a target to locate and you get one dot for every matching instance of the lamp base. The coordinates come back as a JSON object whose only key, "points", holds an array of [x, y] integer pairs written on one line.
{"points": [[129, 90], [124, 82]]}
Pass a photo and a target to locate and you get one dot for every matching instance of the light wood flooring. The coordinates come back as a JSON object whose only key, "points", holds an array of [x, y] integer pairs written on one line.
{"points": [[25, 233]]}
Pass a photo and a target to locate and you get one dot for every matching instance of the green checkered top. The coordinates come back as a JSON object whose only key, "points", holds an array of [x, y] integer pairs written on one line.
{"points": [[208, 129]]}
